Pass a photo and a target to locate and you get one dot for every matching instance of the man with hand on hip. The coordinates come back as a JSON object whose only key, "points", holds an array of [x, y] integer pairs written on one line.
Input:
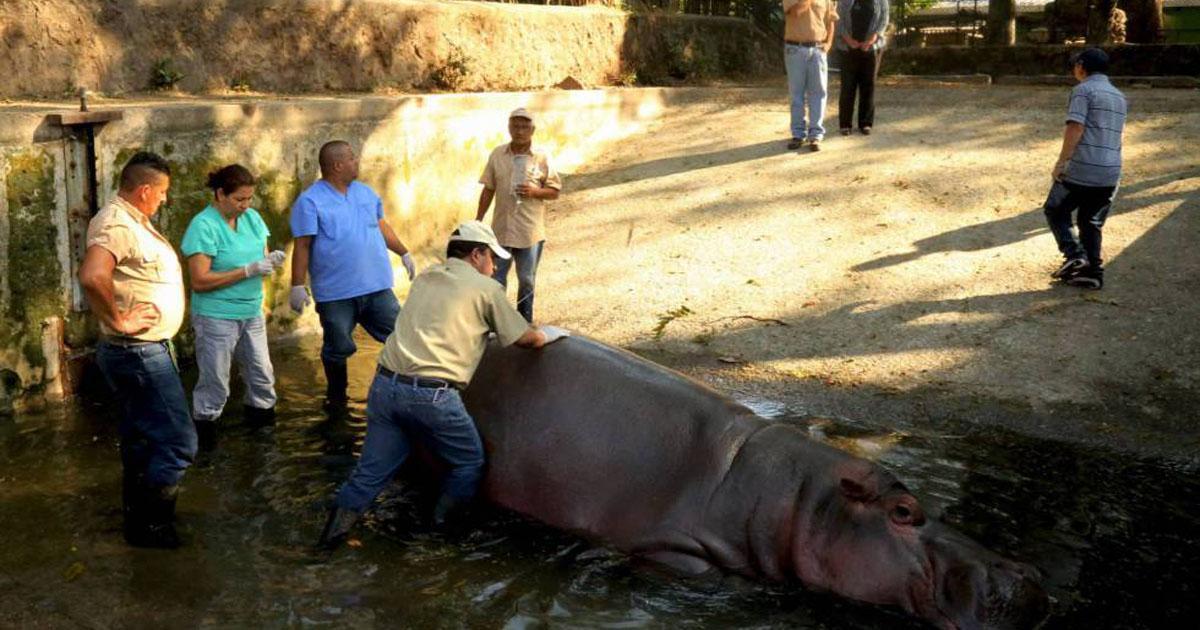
{"points": [[342, 240], [438, 343]]}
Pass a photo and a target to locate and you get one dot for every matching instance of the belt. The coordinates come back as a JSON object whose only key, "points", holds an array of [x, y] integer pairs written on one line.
{"points": [[805, 44], [130, 342], [417, 381]]}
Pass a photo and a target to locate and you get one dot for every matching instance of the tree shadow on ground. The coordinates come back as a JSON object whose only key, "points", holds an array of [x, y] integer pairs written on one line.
{"points": [[664, 167]]}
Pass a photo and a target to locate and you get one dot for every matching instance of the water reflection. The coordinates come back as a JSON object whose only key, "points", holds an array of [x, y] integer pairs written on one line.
{"points": [[1115, 536]]}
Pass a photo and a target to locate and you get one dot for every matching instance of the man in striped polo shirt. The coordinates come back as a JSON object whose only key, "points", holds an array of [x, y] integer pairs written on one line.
{"points": [[1088, 170]]}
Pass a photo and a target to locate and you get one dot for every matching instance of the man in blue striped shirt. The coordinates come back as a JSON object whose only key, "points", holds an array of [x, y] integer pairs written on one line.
{"points": [[1088, 170]]}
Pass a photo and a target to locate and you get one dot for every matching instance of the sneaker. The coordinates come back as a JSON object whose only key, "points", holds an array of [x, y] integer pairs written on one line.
{"points": [[1094, 283], [846, 131], [814, 145], [794, 143], [1069, 268], [866, 131]]}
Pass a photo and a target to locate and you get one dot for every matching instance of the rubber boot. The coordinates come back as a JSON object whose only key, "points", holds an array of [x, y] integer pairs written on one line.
{"points": [[257, 416], [154, 523], [445, 507], [337, 527], [206, 434], [336, 381]]}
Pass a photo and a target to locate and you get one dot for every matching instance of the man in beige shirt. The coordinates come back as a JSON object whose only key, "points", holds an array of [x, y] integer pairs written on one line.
{"points": [[521, 180], [439, 339], [807, 37], [134, 285]]}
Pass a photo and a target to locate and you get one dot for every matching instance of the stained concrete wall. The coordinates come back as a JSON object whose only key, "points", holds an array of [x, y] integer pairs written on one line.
{"points": [[307, 46], [423, 154]]}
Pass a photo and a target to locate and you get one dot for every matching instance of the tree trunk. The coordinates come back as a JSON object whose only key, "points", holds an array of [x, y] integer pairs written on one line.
{"points": [[1002, 22], [1145, 25]]}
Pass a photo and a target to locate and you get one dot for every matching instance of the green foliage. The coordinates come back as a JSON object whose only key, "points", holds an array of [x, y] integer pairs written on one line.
{"points": [[453, 71], [165, 76], [667, 318], [690, 56]]}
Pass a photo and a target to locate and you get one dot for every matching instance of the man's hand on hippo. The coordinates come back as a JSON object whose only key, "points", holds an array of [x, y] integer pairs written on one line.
{"points": [[554, 333]]}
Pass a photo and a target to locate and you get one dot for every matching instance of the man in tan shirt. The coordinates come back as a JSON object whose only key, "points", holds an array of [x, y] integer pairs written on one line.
{"points": [[521, 180], [134, 285], [439, 339], [807, 37]]}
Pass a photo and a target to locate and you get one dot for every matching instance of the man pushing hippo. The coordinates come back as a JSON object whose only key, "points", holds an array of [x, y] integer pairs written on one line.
{"points": [[439, 338]]}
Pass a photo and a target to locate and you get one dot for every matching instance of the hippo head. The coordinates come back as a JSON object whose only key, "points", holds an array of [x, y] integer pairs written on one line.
{"points": [[869, 539]]}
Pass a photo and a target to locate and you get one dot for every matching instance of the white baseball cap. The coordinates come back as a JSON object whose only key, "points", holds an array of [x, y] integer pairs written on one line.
{"points": [[480, 232], [521, 112]]}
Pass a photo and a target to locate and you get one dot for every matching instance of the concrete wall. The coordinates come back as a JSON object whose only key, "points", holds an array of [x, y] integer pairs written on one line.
{"points": [[423, 154], [1127, 60], [307, 46]]}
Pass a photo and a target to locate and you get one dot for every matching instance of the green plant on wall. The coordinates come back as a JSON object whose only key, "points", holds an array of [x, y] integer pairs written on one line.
{"points": [[691, 56], [453, 71], [164, 75]]}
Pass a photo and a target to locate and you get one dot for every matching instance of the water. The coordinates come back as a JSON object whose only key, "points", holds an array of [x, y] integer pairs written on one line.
{"points": [[1116, 536]]}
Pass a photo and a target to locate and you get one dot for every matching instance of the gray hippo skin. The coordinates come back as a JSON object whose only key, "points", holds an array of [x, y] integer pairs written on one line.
{"points": [[598, 441]]}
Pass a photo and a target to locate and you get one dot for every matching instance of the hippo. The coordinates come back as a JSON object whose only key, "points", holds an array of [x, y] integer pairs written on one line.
{"points": [[598, 441]]}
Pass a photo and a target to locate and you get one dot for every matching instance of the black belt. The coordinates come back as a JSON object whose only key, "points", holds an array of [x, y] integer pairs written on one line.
{"points": [[805, 44], [417, 381], [130, 342]]}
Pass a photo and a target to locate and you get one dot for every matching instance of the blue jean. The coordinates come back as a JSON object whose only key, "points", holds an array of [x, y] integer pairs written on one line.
{"points": [[808, 79], [1093, 204], [376, 312], [399, 412], [527, 259], [158, 441], [218, 343]]}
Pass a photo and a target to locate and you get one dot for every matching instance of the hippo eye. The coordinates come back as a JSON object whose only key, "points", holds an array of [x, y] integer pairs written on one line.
{"points": [[904, 515]]}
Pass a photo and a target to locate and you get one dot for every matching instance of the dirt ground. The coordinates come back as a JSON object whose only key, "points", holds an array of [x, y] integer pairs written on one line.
{"points": [[899, 280]]}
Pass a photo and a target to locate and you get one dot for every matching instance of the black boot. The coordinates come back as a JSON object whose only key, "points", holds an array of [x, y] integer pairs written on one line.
{"points": [[337, 527], [153, 524], [206, 434], [257, 416], [446, 506], [336, 381]]}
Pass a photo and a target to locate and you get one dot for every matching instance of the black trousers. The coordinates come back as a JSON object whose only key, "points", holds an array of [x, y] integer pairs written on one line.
{"points": [[859, 69]]}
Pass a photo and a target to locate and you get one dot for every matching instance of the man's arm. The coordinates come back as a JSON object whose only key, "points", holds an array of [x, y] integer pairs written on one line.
{"points": [[485, 201], [389, 237], [1072, 134], [533, 191], [302, 248], [96, 278]]}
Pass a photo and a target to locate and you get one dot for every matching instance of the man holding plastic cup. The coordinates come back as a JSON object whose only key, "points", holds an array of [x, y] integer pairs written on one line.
{"points": [[520, 180]]}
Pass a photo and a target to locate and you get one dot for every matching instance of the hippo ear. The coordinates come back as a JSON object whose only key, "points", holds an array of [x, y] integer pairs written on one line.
{"points": [[855, 491]]}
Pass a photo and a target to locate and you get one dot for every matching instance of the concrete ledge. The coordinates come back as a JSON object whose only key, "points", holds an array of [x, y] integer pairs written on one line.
{"points": [[938, 79], [1129, 81]]}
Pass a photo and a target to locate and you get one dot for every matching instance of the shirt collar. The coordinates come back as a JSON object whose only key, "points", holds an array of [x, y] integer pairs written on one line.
{"points": [[508, 149], [133, 211]]}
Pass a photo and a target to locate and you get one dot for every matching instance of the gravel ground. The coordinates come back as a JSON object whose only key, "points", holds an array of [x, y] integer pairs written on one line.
{"points": [[899, 279]]}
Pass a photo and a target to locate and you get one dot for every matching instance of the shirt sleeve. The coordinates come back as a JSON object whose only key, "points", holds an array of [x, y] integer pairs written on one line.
{"points": [[552, 180], [115, 238], [304, 217], [488, 178], [507, 323], [199, 239], [881, 19], [1078, 107]]}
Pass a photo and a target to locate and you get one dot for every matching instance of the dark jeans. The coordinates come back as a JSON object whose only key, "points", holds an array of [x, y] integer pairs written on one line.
{"points": [[158, 441], [527, 260], [398, 412], [1093, 203], [376, 312], [859, 69]]}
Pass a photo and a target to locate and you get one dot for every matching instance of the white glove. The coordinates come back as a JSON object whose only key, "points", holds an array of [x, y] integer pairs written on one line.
{"points": [[298, 298], [259, 267], [554, 333], [409, 266], [277, 257]]}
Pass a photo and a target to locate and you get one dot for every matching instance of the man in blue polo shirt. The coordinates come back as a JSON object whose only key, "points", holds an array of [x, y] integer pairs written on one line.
{"points": [[1088, 170], [341, 239]]}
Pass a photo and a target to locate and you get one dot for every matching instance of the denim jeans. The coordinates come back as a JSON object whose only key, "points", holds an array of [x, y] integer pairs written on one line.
{"points": [[376, 312], [527, 259], [808, 79], [158, 441], [399, 412], [218, 343], [1094, 204]]}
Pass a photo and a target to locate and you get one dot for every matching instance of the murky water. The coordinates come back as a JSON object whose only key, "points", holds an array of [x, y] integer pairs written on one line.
{"points": [[1118, 538]]}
